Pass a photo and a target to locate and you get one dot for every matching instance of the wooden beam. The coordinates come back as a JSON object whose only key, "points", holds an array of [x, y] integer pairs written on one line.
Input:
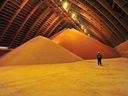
{"points": [[2, 6], [27, 18], [123, 22], [54, 27], [54, 20], [46, 24], [38, 21], [13, 17]]}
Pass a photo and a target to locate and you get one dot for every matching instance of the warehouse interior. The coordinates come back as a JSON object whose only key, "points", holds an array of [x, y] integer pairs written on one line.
{"points": [[49, 47]]}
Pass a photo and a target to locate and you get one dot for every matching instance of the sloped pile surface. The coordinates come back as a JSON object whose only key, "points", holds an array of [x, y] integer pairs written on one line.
{"points": [[38, 51], [82, 45]]}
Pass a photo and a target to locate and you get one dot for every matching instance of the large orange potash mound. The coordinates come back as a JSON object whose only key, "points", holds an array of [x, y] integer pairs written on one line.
{"points": [[39, 50], [82, 45]]}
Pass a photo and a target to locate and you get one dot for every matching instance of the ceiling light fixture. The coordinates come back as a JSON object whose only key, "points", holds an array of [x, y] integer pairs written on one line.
{"points": [[65, 5], [85, 30], [89, 35], [73, 15]]}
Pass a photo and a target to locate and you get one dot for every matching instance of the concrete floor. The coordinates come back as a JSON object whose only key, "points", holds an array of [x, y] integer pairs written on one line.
{"points": [[82, 78]]}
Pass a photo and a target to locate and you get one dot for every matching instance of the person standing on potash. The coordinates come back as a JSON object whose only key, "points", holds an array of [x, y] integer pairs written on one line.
{"points": [[99, 58]]}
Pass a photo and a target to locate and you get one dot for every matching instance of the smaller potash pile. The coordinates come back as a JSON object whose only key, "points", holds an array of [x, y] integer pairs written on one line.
{"points": [[38, 50], [123, 49], [82, 45]]}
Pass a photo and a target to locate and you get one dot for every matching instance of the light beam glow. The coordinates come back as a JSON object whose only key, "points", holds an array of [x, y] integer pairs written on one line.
{"points": [[73, 15], [65, 5]]}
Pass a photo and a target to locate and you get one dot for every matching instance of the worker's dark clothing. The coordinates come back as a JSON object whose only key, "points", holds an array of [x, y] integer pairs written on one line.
{"points": [[99, 58]]}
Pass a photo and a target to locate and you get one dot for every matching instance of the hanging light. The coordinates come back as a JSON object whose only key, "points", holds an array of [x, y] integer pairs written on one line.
{"points": [[89, 35], [82, 26], [73, 15], [65, 5], [85, 30]]}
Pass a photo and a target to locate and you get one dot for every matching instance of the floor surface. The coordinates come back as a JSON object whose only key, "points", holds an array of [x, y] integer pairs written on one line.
{"points": [[82, 78]]}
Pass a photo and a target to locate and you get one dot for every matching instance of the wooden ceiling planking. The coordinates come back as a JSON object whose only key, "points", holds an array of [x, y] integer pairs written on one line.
{"points": [[20, 21]]}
